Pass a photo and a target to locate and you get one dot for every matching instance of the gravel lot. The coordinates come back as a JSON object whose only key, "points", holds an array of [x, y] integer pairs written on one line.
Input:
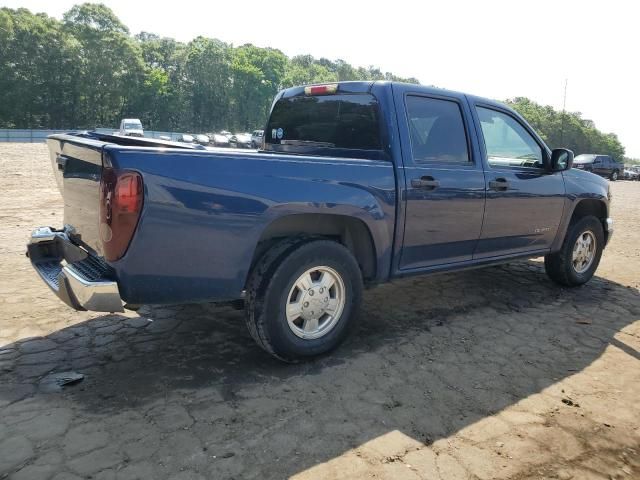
{"points": [[493, 373]]}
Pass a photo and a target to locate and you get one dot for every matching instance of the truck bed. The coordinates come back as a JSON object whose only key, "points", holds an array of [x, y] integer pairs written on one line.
{"points": [[206, 209]]}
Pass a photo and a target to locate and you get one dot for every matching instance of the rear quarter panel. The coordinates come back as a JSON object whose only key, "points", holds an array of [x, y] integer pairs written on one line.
{"points": [[204, 213]]}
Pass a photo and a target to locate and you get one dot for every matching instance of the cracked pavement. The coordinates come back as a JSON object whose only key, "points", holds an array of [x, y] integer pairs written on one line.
{"points": [[493, 373]]}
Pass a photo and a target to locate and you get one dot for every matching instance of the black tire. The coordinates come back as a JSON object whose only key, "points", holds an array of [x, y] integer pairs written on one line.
{"points": [[614, 175], [268, 293], [559, 266]]}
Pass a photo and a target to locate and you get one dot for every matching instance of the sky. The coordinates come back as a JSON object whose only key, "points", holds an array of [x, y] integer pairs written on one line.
{"points": [[495, 49]]}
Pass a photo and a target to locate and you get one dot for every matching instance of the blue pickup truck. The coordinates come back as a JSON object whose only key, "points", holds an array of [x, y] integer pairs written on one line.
{"points": [[355, 184]]}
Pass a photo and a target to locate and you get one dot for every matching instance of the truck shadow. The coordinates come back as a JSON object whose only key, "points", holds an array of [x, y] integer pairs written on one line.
{"points": [[428, 357]]}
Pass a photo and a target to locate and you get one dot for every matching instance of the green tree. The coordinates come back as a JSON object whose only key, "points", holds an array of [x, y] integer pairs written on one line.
{"points": [[110, 62], [567, 129], [161, 100], [303, 69], [208, 83], [37, 70], [257, 74], [87, 71]]}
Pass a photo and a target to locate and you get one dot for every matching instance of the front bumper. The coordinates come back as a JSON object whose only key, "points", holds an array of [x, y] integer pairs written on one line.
{"points": [[81, 280], [608, 228]]}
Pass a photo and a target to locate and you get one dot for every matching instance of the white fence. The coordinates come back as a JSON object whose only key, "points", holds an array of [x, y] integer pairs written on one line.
{"points": [[40, 135]]}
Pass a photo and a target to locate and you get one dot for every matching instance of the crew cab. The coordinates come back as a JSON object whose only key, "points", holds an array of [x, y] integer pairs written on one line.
{"points": [[356, 184]]}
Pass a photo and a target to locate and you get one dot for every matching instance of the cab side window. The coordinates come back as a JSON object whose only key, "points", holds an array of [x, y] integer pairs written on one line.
{"points": [[437, 131], [507, 142]]}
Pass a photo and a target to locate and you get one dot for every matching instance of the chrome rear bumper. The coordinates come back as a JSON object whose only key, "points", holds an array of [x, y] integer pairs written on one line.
{"points": [[81, 280]]}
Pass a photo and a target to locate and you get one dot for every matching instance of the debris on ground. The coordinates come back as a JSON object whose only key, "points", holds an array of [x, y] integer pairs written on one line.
{"points": [[55, 382], [571, 403]]}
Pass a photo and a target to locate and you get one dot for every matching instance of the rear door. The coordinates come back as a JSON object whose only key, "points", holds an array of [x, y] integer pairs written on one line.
{"points": [[610, 165], [524, 201], [600, 166], [444, 196]]}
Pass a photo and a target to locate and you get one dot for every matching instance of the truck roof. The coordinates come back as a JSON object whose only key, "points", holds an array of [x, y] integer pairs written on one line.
{"points": [[365, 86]]}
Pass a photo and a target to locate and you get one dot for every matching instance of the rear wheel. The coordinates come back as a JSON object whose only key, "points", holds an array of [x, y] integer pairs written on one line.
{"points": [[302, 298], [614, 175], [578, 259]]}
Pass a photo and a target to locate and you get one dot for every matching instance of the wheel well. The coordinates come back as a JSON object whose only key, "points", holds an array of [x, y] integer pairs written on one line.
{"points": [[350, 232], [589, 207]]}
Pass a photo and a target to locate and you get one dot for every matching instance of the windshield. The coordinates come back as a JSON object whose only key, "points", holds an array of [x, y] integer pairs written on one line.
{"points": [[132, 126], [584, 159], [347, 121]]}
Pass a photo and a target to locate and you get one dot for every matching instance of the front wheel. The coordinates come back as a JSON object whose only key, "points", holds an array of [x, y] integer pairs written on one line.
{"points": [[614, 175], [579, 257], [302, 298]]}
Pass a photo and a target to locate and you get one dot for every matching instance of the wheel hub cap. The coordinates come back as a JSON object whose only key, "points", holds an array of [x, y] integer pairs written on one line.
{"points": [[584, 251], [315, 302]]}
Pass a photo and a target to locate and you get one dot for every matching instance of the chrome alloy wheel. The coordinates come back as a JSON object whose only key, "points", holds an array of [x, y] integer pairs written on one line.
{"points": [[315, 302], [584, 251]]}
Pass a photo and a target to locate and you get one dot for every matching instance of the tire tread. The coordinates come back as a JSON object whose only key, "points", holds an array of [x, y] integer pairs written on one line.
{"points": [[558, 265], [267, 272], [257, 283]]}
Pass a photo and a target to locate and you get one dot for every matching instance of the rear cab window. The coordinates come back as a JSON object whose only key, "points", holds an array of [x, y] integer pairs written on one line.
{"points": [[584, 159], [340, 125]]}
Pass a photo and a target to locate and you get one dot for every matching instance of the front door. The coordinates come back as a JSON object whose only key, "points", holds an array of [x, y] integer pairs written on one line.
{"points": [[444, 196], [524, 200], [600, 166]]}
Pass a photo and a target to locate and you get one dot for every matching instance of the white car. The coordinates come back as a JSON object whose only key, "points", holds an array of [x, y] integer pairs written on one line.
{"points": [[202, 139], [241, 140], [185, 138], [256, 138], [631, 173], [219, 140]]}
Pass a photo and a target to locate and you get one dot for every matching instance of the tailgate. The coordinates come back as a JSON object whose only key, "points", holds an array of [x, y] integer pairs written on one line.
{"points": [[77, 166]]}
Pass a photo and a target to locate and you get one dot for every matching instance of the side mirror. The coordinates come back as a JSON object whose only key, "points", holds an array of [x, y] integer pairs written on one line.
{"points": [[561, 159]]}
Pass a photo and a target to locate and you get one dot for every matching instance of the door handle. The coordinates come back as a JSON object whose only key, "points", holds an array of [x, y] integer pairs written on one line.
{"points": [[426, 182], [499, 184], [61, 160]]}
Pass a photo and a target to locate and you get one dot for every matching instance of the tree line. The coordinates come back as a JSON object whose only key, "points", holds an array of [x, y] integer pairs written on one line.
{"points": [[87, 71], [567, 129]]}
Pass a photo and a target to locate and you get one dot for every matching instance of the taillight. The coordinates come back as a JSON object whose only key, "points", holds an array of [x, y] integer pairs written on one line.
{"points": [[121, 194], [321, 89]]}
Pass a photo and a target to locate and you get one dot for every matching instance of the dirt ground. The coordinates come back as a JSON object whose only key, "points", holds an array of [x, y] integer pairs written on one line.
{"points": [[493, 373]]}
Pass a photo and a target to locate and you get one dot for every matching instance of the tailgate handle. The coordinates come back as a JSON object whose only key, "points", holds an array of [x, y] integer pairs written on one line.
{"points": [[61, 160]]}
